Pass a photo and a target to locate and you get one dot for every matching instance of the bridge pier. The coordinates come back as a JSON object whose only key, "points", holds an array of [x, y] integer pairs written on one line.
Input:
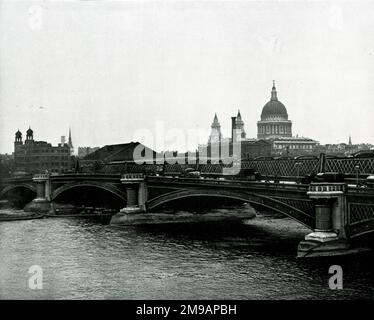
{"points": [[41, 203], [329, 237], [136, 197]]}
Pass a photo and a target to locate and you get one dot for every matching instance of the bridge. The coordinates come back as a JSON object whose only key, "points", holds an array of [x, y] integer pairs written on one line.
{"points": [[336, 204]]}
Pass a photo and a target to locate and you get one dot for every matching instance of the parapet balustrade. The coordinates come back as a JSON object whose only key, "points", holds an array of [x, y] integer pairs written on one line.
{"points": [[132, 177], [327, 187], [41, 176]]}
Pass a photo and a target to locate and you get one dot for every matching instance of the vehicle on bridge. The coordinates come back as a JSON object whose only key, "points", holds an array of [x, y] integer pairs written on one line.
{"points": [[192, 173]]}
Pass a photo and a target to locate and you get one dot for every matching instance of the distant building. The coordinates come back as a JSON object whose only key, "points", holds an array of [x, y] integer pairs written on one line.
{"points": [[293, 146], [344, 149], [39, 156], [123, 152], [255, 148], [249, 148], [277, 128], [85, 151], [6, 165], [274, 121]]}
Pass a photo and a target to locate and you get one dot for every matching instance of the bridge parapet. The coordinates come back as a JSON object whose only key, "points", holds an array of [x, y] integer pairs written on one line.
{"points": [[326, 189], [40, 177], [330, 205], [42, 187], [136, 191], [132, 178]]}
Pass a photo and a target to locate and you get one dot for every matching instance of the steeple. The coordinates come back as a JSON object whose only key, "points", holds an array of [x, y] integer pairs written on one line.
{"points": [[70, 143], [215, 118], [274, 93], [239, 116], [350, 140], [215, 134], [215, 123], [239, 124]]}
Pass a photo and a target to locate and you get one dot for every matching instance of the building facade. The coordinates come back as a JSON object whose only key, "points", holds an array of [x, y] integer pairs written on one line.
{"points": [[293, 146], [6, 165], [32, 156], [85, 151]]}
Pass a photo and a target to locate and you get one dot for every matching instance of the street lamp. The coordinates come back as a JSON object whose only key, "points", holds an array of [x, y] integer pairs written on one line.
{"points": [[298, 164], [357, 169]]}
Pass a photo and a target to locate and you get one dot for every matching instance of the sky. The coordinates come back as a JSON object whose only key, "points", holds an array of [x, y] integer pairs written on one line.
{"points": [[116, 70]]}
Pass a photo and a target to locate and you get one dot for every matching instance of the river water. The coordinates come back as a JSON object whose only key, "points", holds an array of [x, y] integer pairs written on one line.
{"points": [[83, 259]]}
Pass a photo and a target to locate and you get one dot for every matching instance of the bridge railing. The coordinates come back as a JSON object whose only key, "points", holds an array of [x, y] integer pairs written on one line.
{"points": [[362, 166], [229, 183], [283, 167], [297, 167]]}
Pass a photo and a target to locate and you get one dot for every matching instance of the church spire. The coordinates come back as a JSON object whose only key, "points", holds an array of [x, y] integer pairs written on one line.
{"points": [[239, 116], [239, 124], [274, 93], [215, 123], [216, 134], [70, 143], [215, 118]]}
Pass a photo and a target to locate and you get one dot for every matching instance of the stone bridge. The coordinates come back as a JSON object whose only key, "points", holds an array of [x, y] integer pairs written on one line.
{"points": [[337, 213]]}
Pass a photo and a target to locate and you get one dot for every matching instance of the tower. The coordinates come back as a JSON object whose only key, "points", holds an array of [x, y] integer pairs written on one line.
{"points": [[70, 143], [18, 139], [239, 125], [29, 136], [215, 135]]}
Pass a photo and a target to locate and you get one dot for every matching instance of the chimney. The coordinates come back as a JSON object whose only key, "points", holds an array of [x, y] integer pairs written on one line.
{"points": [[63, 140], [233, 127]]}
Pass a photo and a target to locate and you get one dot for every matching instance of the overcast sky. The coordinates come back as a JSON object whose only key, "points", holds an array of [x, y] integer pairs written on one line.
{"points": [[109, 68]]}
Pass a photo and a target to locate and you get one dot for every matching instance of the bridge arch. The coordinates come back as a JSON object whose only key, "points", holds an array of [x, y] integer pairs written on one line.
{"points": [[251, 198], [11, 187], [79, 184]]}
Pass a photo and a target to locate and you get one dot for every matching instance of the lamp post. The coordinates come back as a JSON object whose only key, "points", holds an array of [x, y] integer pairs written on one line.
{"points": [[357, 169], [298, 164]]}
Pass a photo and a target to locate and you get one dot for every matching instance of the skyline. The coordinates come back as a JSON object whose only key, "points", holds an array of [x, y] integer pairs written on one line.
{"points": [[122, 66]]}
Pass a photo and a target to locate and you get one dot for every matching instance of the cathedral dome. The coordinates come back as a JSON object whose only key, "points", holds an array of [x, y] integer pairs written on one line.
{"points": [[274, 109]]}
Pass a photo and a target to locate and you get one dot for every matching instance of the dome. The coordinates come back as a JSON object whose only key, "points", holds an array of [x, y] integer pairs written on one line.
{"points": [[274, 109], [29, 132]]}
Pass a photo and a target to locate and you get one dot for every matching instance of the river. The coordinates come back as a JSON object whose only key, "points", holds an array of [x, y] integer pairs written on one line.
{"points": [[82, 259]]}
